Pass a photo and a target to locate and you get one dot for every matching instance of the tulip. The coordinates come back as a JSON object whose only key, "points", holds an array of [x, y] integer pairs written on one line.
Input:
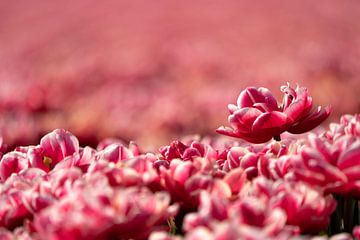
{"points": [[54, 147], [257, 117], [178, 149], [332, 166], [12, 162]]}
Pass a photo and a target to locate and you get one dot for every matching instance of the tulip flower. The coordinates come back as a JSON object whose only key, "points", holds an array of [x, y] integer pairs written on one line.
{"points": [[258, 117], [180, 150], [349, 125], [332, 166], [12, 162], [54, 147]]}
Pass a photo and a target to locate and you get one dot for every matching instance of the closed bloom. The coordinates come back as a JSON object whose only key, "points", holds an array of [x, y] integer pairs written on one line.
{"points": [[258, 117]]}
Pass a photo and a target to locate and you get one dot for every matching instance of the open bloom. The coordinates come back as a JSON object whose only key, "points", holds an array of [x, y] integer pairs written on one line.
{"points": [[333, 166], [258, 117]]}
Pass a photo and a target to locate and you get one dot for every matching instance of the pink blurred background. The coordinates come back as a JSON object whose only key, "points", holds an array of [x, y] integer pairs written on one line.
{"points": [[152, 71]]}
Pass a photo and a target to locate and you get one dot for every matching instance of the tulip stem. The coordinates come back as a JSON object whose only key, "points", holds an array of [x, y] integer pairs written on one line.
{"points": [[349, 209], [277, 138], [172, 226]]}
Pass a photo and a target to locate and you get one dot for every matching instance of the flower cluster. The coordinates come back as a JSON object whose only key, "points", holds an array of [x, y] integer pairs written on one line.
{"points": [[210, 188]]}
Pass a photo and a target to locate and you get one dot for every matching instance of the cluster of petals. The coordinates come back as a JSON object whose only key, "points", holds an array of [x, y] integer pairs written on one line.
{"points": [[258, 117]]}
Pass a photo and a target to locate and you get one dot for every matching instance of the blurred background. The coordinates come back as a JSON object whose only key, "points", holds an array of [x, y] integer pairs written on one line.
{"points": [[152, 71]]}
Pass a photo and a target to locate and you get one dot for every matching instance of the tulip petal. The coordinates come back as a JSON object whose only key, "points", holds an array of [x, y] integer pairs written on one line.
{"points": [[298, 106], [350, 158], [275, 121], [311, 121], [251, 95]]}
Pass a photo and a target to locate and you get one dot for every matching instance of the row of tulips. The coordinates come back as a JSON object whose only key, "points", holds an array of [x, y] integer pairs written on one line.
{"points": [[300, 187]]}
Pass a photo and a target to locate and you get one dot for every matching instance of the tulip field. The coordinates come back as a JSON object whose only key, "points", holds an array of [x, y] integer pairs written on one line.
{"points": [[265, 182], [179, 120]]}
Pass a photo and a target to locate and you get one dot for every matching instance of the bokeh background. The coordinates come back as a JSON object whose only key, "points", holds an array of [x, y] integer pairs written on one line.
{"points": [[152, 71]]}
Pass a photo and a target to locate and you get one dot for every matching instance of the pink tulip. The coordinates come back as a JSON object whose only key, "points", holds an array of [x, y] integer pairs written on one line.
{"points": [[82, 160], [13, 209], [305, 207], [276, 168], [54, 147], [239, 157], [115, 153], [247, 218], [185, 179], [257, 117], [212, 208], [59, 144], [12, 162], [178, 149], [349, 125], [332, 166]]}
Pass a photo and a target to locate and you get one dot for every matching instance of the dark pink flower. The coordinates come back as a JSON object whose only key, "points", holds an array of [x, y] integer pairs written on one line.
{"points": [[334, 166], [276, 168], [239, 157], [185, 179], [305, 207], [257, 117], [179, 150]]}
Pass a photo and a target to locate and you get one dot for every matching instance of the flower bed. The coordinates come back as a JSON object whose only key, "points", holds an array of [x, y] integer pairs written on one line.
{"points": [[289, 187]]}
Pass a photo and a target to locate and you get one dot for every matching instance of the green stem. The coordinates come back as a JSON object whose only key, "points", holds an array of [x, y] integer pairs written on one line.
{"points": [[172, 226], [277, 138], [335, 220], [345, 217], [349, 209]]}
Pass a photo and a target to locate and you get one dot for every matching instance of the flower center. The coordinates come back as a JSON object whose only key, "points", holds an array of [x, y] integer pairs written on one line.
{"points": [[47, 161]]}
